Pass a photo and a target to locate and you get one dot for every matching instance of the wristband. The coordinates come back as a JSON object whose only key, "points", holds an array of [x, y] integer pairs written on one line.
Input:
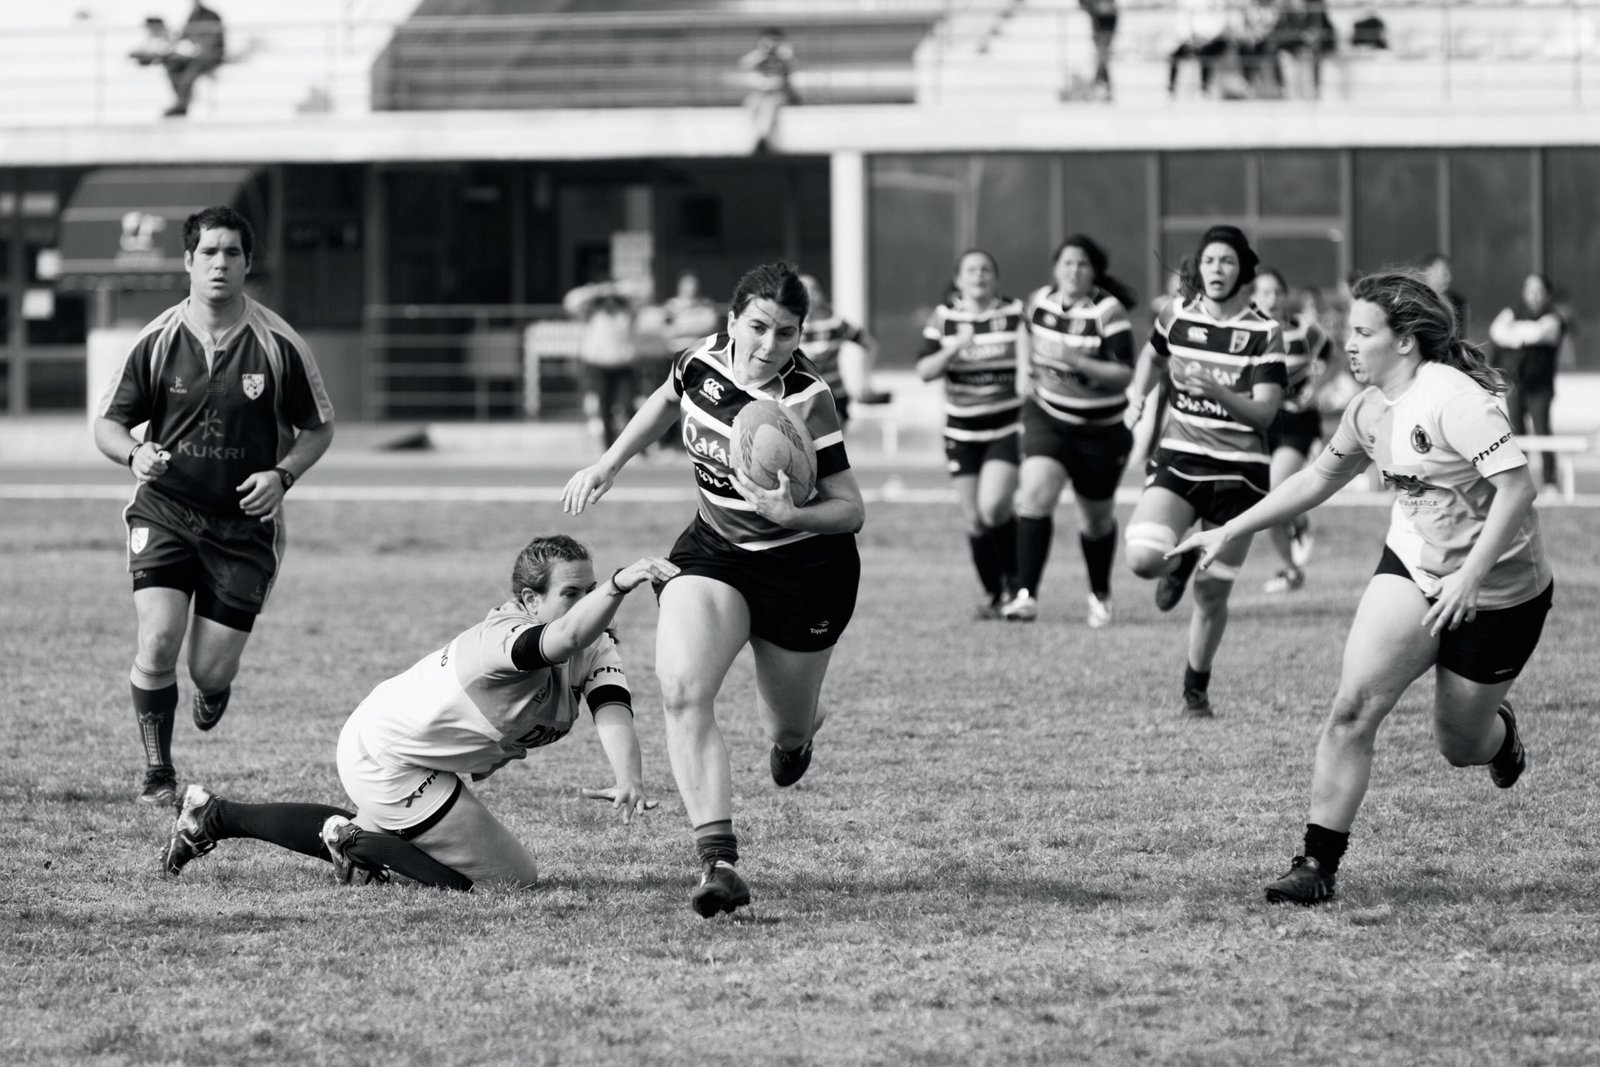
{"points": [[613, 580], [288, 479], [133, 453]]}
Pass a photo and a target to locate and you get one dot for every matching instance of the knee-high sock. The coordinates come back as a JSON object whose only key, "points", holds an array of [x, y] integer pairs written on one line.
{"points": [[1033, 550], [1004, 536], [1098, 554], [296, 827], [985, 560], [155, 707]]}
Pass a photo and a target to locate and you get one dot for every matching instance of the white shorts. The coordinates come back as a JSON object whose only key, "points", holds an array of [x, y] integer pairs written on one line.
{"points": [[401, 798]]}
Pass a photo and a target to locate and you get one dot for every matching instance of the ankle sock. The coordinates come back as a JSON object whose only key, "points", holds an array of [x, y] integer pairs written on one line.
{"points": [[1326, 846], [716, 841]]}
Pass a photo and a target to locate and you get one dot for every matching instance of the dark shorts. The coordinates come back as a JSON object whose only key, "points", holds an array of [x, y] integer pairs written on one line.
{"points": [[1217, 491], [1094, 456], [1495, 645], [234, 558], [1298, 430], [801, 596], [968, 457]]}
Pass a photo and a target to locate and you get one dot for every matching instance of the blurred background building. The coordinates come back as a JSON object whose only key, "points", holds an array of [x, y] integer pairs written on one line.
{"points": [[429, 178]]}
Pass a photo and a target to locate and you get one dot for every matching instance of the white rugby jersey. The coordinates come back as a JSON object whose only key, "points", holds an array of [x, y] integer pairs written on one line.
{"points": [[980, 383], [1436, 446], [468, 709], [1241, 352], [1095, 326]]}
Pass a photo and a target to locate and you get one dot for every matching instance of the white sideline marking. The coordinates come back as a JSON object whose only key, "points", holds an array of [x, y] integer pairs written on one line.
{"points": [[889, 493]]}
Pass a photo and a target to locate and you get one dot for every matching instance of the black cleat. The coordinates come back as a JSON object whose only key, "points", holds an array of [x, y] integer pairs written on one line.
{"points": [[208, 710], [1509, 763], [160, 786], [720, 889], [789, 767], [191, 834], [1196, 704], [1169, 587], [1306, 883]]}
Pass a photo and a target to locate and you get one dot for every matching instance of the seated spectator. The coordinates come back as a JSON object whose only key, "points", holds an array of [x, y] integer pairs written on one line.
{"points": [[1369, 32], [1202, 36], [198, 50], [1250, 24], [771, 62], [1299, 40], [1102, 30]]}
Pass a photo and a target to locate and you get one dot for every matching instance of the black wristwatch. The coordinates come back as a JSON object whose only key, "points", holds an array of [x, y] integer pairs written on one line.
{"points": [[288, 479]]}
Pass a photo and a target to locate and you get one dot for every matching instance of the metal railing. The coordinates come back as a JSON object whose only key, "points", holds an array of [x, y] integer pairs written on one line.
{"points": [[1026, 52]]}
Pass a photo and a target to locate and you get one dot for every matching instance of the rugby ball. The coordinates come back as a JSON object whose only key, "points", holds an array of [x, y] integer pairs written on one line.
{"points": [[768, 438]]}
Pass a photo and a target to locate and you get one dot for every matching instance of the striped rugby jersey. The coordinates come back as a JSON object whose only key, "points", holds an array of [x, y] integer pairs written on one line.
{"points": [[1241, 352], [224, 413], [1303, 345], [468, 709], [1095, 326], [1436, 446], [709, 401], [980, 385], [821, 342]]}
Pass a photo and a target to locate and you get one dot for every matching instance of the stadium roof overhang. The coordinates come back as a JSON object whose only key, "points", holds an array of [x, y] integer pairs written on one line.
{"points": [[123, 228]]}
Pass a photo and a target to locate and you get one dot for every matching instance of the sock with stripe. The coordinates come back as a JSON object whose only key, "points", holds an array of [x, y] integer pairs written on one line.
{"points": [[716, 841], [155, 705]]}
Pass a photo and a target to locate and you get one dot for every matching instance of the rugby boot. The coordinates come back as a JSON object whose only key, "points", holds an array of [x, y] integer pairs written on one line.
{"points": [[1509, 763], [160, 785], [191, 834], [789, 767], [208, 710], [720, 889], [1170, 587], [1305, 883]]}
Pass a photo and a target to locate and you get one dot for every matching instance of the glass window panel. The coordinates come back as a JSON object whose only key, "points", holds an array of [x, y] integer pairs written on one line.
{"points": [[1572, 241], [1299, 183], [1491, 220], [1396, 211], [1203, 183], [1013, 218], [1104, 195], [915, 206], [1304, 261]]}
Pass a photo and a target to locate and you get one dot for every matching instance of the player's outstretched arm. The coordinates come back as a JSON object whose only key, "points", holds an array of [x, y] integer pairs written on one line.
{"points": [[1299, 493], [586, 620], [648, 423], [614, 724]]}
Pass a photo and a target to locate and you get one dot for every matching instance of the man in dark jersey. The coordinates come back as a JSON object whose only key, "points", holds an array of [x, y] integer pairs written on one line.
{"points": [[236, 412]]}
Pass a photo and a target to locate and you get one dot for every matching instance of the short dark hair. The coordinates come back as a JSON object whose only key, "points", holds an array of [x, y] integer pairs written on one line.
{"points": [[218, 217], [534, 563], [778, 282]]}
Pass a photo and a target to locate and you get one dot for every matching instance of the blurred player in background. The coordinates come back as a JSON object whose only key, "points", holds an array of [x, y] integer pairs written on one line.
{"points": [[1463, 586], [511, 683], [1299, 423], [1074, 376], [975, 341], [1527, 341], [236, 412], [755, 568], [1224, 369], [843, 352]]}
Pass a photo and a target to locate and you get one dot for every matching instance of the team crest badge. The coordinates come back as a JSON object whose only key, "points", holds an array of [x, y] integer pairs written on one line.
{"points": [[1238, 342], [138, 537], [253, 384], [1420, 441]]}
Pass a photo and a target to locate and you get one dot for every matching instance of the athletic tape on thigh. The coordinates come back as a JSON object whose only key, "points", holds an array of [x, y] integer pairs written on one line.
{"points": [[1151, 535], [1217, 572]]}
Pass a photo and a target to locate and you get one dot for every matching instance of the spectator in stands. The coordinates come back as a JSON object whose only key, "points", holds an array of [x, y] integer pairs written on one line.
{"points": [[606, 355], [1369, 32], [771, 62], [1202, 37], [1299, 39], [1250, 25], [681, 320], [1436, 269], [1102, 30], [1527, 341], [196, 51]]}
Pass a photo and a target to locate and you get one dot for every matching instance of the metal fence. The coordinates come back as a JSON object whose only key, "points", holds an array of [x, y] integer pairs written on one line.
{"points": [[939, 52]]}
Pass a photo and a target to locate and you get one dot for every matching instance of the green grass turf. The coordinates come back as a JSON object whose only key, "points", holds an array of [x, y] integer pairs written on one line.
{"points": [[1010, 848]]}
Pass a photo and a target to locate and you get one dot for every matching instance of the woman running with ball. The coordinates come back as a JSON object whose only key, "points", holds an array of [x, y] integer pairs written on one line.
{"points": [[1462, 587], [755, 567]]}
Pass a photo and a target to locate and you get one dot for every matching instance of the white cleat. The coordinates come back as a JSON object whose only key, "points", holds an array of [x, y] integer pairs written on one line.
{"points": [[1020, 608], [1099, 615]]}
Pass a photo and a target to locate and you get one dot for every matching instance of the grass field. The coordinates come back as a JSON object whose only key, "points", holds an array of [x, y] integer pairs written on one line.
{"points": [[1010, 848]]}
